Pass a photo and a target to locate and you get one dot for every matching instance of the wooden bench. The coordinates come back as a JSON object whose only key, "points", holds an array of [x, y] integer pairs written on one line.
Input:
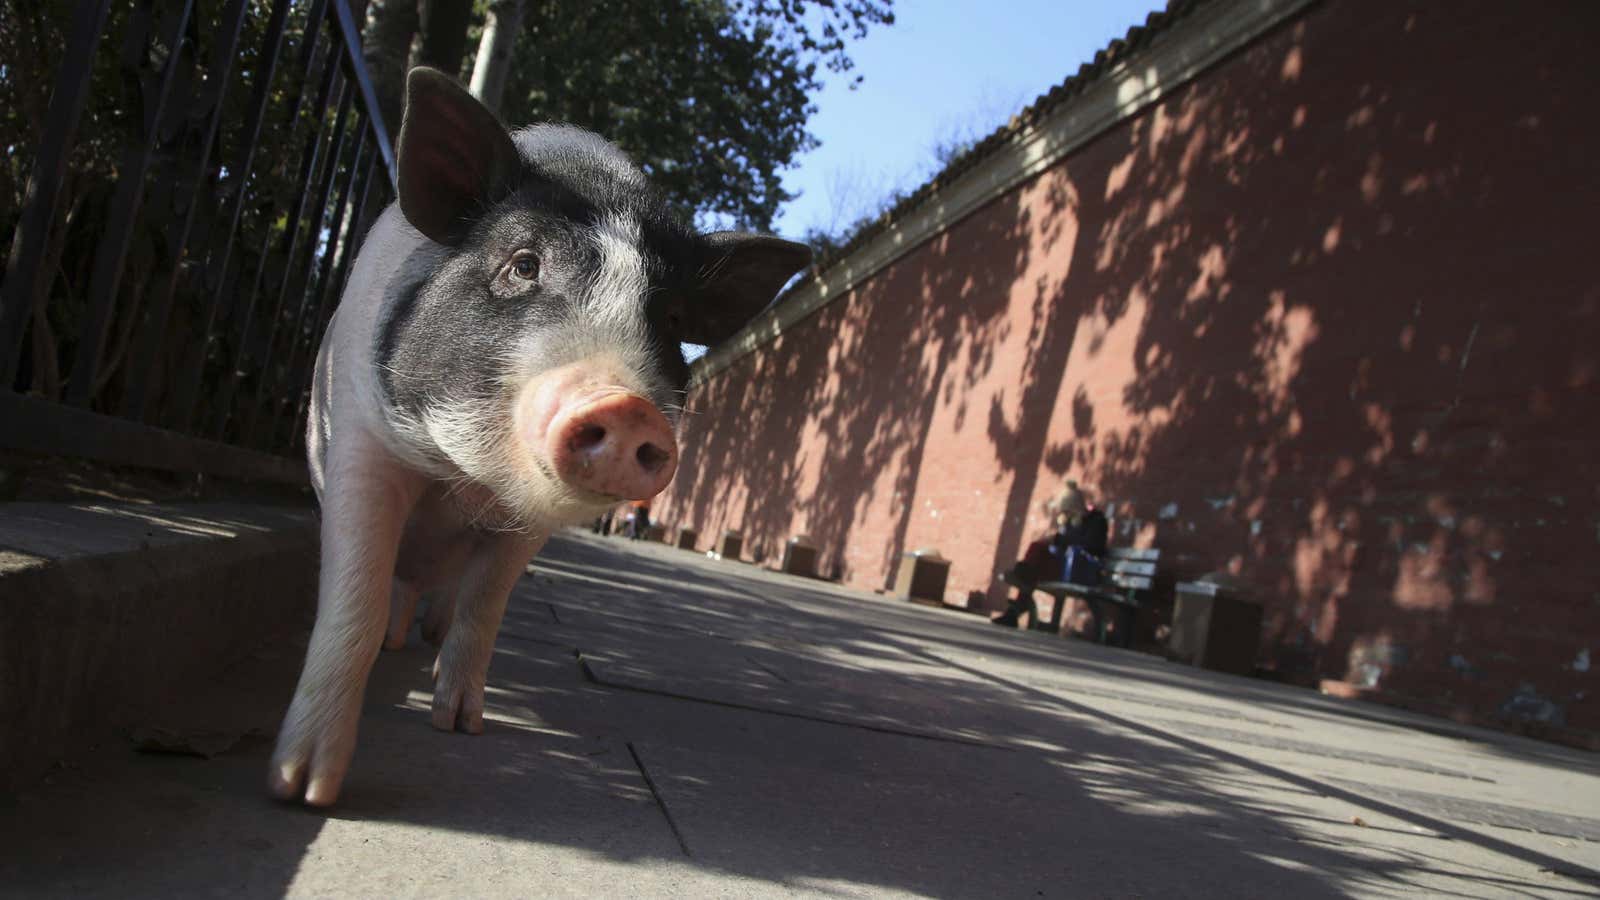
{"points": [[1128, 573]]}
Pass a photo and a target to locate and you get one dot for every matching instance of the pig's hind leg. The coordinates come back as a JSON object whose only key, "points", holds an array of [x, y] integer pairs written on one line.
{"points": [[364, 510], [441, 611], [462, 668], [402, 608]]}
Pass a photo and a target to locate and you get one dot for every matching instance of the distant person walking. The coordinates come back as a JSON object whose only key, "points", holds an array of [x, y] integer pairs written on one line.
{"points": [[1077, 525]]}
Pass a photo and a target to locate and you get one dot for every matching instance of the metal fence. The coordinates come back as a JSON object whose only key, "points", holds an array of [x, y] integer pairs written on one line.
{"points": [[193, 191]]}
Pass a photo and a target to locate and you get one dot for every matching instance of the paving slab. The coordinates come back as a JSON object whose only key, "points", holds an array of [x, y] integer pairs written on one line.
{"points": [[661, 724]]}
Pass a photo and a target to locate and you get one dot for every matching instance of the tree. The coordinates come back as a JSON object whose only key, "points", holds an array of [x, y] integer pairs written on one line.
{"points": [[501, 24], [392, 25], [711, 97], [403, 33]]}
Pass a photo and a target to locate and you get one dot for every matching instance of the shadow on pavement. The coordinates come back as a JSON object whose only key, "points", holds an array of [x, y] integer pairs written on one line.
{"points": [[663, 724]]}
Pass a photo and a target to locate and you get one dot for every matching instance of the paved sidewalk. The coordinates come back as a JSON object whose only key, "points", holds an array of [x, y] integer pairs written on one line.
{"points": [[663, 724]]}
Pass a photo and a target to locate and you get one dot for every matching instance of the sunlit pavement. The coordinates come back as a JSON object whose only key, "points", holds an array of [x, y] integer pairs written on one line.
{"points": [[665, 724]]}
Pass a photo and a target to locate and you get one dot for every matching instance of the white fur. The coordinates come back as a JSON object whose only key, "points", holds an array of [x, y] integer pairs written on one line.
{"points": [[371, 477], [616, 298]]}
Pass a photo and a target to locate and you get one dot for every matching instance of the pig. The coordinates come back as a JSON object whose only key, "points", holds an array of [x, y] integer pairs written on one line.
{"points": [[505, 360]]}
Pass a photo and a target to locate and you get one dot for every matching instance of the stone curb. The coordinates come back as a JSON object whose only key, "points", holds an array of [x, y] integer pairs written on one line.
{"points": [[92, 642]]}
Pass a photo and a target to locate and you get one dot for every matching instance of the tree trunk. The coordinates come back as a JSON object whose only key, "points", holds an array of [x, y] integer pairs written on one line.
{"points": [[493, 64], [444, 35], [386, 46]]}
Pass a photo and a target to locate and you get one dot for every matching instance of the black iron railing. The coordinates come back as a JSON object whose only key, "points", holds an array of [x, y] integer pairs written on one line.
{"points": [[200, 179]]}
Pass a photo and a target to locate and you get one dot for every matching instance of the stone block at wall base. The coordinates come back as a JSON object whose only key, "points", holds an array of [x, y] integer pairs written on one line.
{"points": [[922, 575], [1572, 737], [730, 547], [687, 538], [799, 558]]}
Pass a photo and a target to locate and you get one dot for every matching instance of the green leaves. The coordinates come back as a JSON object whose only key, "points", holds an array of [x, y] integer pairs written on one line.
{"points": [[711, 97]]}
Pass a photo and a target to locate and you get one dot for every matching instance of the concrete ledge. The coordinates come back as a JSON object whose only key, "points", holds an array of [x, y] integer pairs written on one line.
{"points": [[109, 609]]}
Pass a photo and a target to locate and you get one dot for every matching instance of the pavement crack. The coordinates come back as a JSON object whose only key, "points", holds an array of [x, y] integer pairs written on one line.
{"points": [[767, 669], [589, 675], [1574, 874], [583, 667], [661, 802], [530, 639]]}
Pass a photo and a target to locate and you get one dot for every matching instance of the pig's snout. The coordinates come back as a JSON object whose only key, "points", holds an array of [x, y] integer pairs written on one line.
{"points": [[618, 445]]}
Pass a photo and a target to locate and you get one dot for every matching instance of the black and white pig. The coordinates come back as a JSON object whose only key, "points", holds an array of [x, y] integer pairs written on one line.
{"points": [[504, 361]]}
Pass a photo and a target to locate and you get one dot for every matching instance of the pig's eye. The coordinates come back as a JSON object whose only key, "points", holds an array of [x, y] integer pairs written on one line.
{"points": [[523, 267]]}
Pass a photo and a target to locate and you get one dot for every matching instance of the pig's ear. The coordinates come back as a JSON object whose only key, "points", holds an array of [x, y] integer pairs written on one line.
{"points": [[740, 275], [454, 156]]}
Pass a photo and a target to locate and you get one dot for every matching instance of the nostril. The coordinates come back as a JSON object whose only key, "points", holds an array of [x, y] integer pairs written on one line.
{"points": [[651, 457], [587, 437]]}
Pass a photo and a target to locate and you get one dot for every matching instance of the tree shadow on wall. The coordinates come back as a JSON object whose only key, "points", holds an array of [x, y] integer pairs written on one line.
{"points": [[1301, 321], [1362, 338], [861, 383]]}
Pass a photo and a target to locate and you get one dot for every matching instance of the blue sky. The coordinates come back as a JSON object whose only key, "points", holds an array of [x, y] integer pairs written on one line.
{"points": [[946, 68]]}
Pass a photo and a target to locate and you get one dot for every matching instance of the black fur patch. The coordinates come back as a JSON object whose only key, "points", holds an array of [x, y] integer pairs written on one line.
{"points": [[446, 338]]}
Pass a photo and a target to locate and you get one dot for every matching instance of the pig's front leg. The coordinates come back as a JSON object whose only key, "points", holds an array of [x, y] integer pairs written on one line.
{"points": [[462, 668], [364, 511]]}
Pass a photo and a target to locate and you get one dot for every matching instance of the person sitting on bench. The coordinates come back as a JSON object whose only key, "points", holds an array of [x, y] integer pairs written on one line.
{"points": [[1077, 524], [639, 520]]}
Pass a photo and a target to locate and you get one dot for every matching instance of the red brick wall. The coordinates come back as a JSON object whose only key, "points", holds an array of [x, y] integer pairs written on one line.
{"points": [[1325, 318]]}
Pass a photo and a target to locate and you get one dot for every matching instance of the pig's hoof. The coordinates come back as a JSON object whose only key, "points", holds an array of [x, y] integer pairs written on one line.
{"points": [[312, 757], [288, 781], [457, 700], [458, 710]]}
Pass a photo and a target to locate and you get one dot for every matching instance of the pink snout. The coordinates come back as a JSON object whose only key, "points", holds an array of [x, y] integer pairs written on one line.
{"points": [[618, 445]]}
